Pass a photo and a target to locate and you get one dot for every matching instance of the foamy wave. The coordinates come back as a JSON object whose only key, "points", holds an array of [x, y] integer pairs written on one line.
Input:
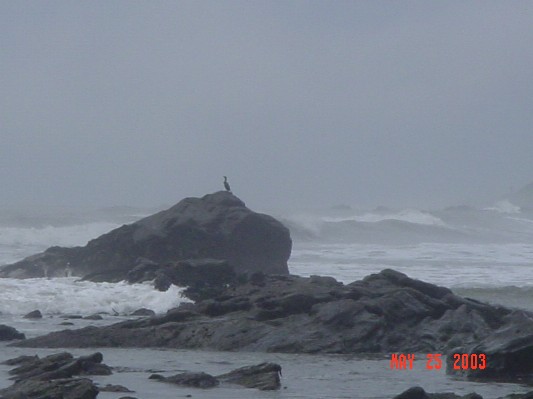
{"points": [[359, 225], [504, 206], [19, 242], [406, 215], [68, 295]]}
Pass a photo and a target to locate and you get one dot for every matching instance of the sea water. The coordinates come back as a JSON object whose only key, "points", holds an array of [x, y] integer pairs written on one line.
{"points": [[485, 254]]}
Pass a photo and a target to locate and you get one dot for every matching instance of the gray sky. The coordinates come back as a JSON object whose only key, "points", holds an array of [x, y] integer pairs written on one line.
{"points": [[309, 103]]}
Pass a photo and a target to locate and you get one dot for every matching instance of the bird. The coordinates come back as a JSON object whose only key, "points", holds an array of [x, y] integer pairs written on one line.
{"points": [[226, 184]]}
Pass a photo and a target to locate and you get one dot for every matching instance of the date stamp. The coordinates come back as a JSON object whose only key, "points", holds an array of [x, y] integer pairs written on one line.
{"points": [[433, 361]]}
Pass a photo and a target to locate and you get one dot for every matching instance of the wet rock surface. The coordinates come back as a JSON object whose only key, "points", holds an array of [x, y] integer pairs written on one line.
{"points": [[70, 388], [264, 376], [8, 333], [34, 314], [56, 366], [420, 393], [53, 377], [188, 379], [507, 353], [217, 226], [385, 312]]}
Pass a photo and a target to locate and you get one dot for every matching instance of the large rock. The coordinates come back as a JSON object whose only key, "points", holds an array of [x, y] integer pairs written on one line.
{"points": [[69, 388], [216, 226], [264, 376], [384, 313], [188, 379], [56, 366], [419, 393], [504, 355], [52, 377], [8, 333]]}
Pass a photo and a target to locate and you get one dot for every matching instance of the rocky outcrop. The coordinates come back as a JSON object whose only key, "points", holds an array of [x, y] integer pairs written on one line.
{"points": [[188, 379], [216, 226], [52, 376], [69, 388], [386, 312], [8, 333], [420, 393], [264, 376], [34, 314], [202, 277], [504, 355], [59, 365]]}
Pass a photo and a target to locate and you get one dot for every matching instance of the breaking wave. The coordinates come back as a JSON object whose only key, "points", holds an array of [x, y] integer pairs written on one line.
{"points": [[18, 242], [68, 295], [460, 224]]}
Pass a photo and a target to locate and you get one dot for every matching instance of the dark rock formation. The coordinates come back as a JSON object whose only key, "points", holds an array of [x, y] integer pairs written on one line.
{"points": [[508, 353], [69, 388], [384, 313], [217, 226], [528, 395], [419, 393], [114, 388], [188, 379], [57, 366], [51, 377], [9, 333], [204, 278], [264, 376], [34, 314]]}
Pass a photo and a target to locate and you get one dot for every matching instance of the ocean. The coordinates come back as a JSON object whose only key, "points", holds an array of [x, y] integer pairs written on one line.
{"points": [[485, 254]]}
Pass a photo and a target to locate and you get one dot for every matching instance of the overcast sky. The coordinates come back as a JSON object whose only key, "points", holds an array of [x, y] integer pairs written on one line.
{"points": [[299, 103]]}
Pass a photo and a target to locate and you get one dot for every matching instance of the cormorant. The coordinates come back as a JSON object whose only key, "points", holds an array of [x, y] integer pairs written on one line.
{"points": [[226, 184]]}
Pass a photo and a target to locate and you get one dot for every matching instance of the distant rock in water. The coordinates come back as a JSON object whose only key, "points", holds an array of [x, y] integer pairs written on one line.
{"points": [[216, 226], [34, 314]]}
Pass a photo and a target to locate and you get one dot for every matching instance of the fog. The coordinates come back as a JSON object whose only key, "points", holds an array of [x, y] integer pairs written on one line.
{"points": [[300, 104]]}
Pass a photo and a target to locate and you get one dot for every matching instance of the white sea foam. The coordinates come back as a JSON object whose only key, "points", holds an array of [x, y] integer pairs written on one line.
{"points": [[70, 296], [504, 206], [406, 215], [19, 242]]}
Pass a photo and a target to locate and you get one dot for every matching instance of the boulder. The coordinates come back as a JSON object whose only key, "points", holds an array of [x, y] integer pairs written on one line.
{"points": [[114, 388], [420, 393], [217, 226], [57, 366], [264, 376], [507, 352], [8, 333], [78, 388], [188, 379], [204, 278], [34, 314]]}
